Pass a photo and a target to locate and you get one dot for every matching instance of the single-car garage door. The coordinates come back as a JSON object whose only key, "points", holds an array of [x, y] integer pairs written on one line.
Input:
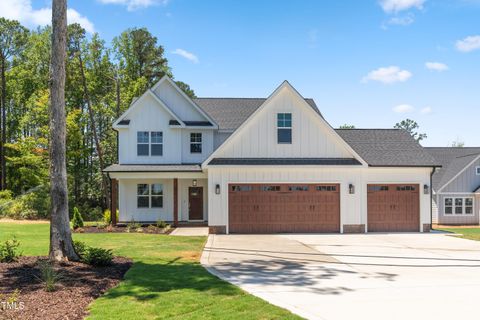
{"points": [[289, 208], [393, 208]]}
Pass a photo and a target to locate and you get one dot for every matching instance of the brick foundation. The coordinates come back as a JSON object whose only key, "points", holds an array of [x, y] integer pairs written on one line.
{"points": [[427, 228], [353, 228], [217, 229]]}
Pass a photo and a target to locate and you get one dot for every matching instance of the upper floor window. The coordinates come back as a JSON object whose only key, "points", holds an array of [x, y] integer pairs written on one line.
{"points": [[195, 143], [477, 170], [149, 143], [284, 127]]}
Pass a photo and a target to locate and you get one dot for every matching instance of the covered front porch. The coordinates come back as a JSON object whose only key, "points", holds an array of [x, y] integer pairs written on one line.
{"points": [[176, 194]]}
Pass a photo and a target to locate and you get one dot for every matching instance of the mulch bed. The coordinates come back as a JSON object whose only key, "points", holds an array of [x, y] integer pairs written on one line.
{"points": [[121, 229], [80, 285]]}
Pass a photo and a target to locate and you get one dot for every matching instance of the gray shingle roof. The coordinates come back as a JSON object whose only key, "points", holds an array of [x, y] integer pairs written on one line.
{"points": [[153, 168], [387, 147], [453, 160], [230, 113], [284, 161]]}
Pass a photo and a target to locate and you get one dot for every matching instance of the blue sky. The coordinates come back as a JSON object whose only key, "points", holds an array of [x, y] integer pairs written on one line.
{"points": [[364, 62]]}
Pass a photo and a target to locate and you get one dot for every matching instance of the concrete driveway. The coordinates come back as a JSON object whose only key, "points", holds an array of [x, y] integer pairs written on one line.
{"points": [[374, 276]]}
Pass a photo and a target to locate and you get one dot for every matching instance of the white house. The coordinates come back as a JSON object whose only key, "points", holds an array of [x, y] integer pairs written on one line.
{"points": [[265, 166]]}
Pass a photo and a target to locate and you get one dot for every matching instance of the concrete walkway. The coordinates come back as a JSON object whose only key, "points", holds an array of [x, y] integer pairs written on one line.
{"points": [[190, 231], [375, 276]]}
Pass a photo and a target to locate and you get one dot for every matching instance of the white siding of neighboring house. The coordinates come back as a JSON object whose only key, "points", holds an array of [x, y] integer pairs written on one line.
{"points": [[353, 207], [310, 136]]}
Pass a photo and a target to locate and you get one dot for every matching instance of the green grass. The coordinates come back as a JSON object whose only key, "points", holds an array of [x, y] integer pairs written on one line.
{"points": [[165, 282], [466, 233]]}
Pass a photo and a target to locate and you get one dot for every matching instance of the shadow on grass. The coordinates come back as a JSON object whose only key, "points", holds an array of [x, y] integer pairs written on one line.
{"points": [[146, 281]]}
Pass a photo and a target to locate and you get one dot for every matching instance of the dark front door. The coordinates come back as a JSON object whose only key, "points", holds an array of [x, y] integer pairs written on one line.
{"points": [[195, 203]]}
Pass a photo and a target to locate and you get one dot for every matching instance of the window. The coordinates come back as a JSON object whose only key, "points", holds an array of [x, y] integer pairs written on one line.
{"points": [[378, 188], [149, 196], [284, 128], [241, 188], [326, 188], [405, 188], [477, 171], [142, 196], [448, 206], [298, 188], [271, 188], [458, 206], [142, 143], [149, 143], [157, 143], [195, 143]]}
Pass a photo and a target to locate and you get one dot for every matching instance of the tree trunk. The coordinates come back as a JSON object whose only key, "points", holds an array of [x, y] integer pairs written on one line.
{"points": [[3, 122], [98, 146], [61, 247]]}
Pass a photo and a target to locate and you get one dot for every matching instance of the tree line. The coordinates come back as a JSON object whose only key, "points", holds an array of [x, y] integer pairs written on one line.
{"points": [[101, 81]]}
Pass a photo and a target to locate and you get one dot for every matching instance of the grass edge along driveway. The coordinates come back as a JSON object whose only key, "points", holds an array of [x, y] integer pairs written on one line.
{"points": [[165, 282], [470, 233]]}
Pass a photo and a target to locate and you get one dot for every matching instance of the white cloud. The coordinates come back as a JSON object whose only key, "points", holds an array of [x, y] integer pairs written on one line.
{"points": [[135, 4], [468, 44], [394, 6], [403, 108], [22, 11], [388, 75], [426, 110], [436, 66], [402, 21], [187, 55]]}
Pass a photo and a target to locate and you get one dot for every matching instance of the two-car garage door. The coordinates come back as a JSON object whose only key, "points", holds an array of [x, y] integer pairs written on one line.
{"points": [[315, 208], [289, 208]]}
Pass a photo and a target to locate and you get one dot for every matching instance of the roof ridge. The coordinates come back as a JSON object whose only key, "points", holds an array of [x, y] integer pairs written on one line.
{"points": [[249, 98], [392, 129]]}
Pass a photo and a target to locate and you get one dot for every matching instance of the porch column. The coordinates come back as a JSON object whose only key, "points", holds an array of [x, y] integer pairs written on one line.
{"points": [[175, 202], [113, 202]]}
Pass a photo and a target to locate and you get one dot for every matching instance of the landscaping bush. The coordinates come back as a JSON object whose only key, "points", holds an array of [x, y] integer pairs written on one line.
{"points": [[9, 251], [97, 257], [132, 226], [161, 224], [77, 220], [35, 204], [48, 275], [80, 248], [107, 216]]}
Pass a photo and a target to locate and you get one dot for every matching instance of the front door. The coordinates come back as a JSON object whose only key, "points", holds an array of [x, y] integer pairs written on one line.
{"points": [[195, 203]]}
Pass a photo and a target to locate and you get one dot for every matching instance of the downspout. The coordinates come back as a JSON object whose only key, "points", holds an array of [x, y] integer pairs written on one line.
{"points": [[431, 197]]}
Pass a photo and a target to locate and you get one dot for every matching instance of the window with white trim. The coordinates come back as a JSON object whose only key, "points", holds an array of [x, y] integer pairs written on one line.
{"points": [[149, 143], [149, 195], [458, 206], [195, 142], [477, 171], [284, 128]]}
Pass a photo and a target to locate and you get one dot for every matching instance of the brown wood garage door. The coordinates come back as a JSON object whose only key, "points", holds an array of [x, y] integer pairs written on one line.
{"points": [[393, 208], [284, 208]]}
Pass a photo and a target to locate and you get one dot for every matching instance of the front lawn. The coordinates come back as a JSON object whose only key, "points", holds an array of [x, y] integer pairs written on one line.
{"points": [[165, 282], [466, 233]]}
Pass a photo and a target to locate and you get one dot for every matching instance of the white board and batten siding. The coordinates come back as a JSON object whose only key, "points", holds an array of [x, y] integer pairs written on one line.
{"points": [[353, 207], [310, 136], [151, 116]]}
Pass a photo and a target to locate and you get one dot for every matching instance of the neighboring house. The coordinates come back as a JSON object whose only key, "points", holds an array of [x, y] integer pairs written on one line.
{"points": [[264, 166], [456, 186]]}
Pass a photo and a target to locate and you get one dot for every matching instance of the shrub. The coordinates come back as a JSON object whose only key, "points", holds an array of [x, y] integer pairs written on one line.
{"points": [[107, 216], [161, 224], [97, 257], [48, 275], [102, 225], [80, 248], [34, 204], [77, 220], [133, 226], [152, 228], [9, 250]]}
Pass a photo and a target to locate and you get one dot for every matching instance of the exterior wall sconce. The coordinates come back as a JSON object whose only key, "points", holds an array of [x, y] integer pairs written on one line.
{"points": [[194, 182], [351, 189], [426, 189], [217, 189]]}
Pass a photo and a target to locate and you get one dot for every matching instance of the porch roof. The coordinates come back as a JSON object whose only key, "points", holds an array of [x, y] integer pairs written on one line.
{"points": [[153, 168]]}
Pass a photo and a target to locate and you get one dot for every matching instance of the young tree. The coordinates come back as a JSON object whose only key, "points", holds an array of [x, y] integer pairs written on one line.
{"points": [[458, 144], [411, 127], [61, 247], [347, 126], [13, 37]]}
